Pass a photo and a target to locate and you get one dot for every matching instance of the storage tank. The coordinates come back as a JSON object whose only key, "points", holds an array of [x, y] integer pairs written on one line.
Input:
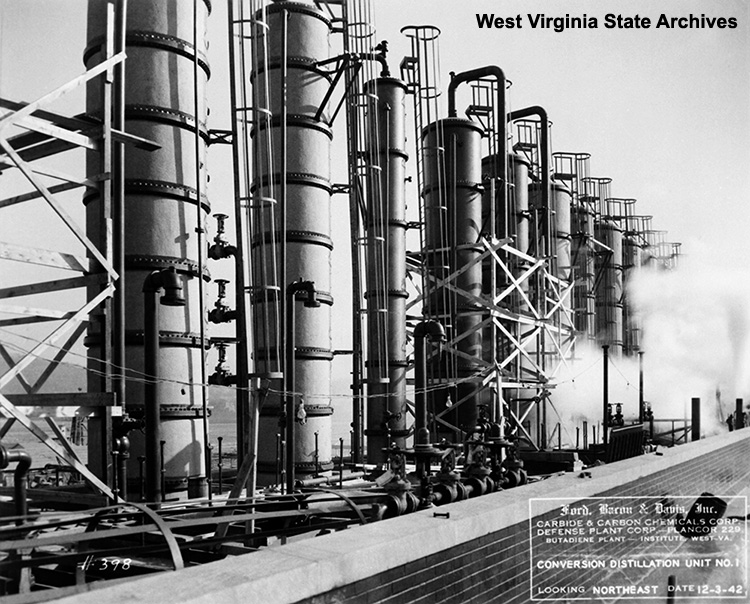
{"points": [[162, 214], [306, 136]]}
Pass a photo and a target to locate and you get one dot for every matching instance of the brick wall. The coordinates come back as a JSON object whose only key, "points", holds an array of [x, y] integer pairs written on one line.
{"points": [[496, 566], [479, 554]]}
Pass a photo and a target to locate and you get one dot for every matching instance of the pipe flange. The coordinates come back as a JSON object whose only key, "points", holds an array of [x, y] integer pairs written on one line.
{"points": [[297, 178], [302, 352], [135, 337], [296, 120], [169, 411], [307, 467], [311, 237], [318, 410], [272, 295], [152, 39], [295, 7], [313, 354], [149, 262], [391, 293], [163, 188], [165, 115]]}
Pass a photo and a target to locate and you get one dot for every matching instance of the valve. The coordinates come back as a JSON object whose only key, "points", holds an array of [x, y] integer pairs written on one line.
{"points": [[221, 248], [221, 313], [221, 375]]}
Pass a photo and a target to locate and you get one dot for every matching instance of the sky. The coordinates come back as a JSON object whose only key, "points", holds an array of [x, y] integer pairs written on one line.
{"points": [[664, 112]]}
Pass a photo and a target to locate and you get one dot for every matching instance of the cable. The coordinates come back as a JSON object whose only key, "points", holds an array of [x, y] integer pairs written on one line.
{"points": [[146, 379]]}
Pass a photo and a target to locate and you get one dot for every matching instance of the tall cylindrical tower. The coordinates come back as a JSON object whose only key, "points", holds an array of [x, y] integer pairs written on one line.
{"points": [[632, 258], [609, 291], [386, 142], [291, 150], [162, 216], [584, 299], [453, 224]]}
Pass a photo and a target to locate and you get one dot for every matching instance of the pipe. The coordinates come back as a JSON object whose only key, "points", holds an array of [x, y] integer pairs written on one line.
{"points": [[605, 395], [168, 280], [311, 301], [545, 153], [696, 419], [435, 332], [641, 403], [243, 409], [151, 388], [739, 421], [220, 439], [123, 447], [502, 134], [475, 74], [23, 463], [118, 207], [199, 241]]}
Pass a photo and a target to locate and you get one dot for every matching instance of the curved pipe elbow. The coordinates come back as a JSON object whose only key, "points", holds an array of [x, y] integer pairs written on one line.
{"points": [[432, 329], [23, 464], [475, 74]]}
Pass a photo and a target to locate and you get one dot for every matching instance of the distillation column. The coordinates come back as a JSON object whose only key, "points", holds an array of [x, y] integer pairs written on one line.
{"points": [[297, 174], [162, 215], [632, 257], [386, 405], [453, 224], [511, 221], [584, 298], [609, 293]]}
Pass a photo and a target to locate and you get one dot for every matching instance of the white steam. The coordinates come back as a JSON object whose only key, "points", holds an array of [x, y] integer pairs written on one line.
{"points": [[696, 340], [696, 326]]}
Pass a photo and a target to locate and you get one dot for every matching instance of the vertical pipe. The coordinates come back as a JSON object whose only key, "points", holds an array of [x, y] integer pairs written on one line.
{"points": [[239, 268], [118, 207], [199, 242], [285, 342], [151, 396], [23, 463], [163, 470], [341, 462], [142, 477], [605, 394], [738, 419], [696, 419], [641, 401], [289, 388], [123, 446], [115, 478], [220, 464]]}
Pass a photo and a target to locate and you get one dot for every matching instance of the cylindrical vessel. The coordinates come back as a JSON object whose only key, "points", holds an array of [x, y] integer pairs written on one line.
{"points": [[295, 126], [584, 298], [386, 270], [453, 224], [632, 256], [609, 291], [560, 228], [162, 214]]}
